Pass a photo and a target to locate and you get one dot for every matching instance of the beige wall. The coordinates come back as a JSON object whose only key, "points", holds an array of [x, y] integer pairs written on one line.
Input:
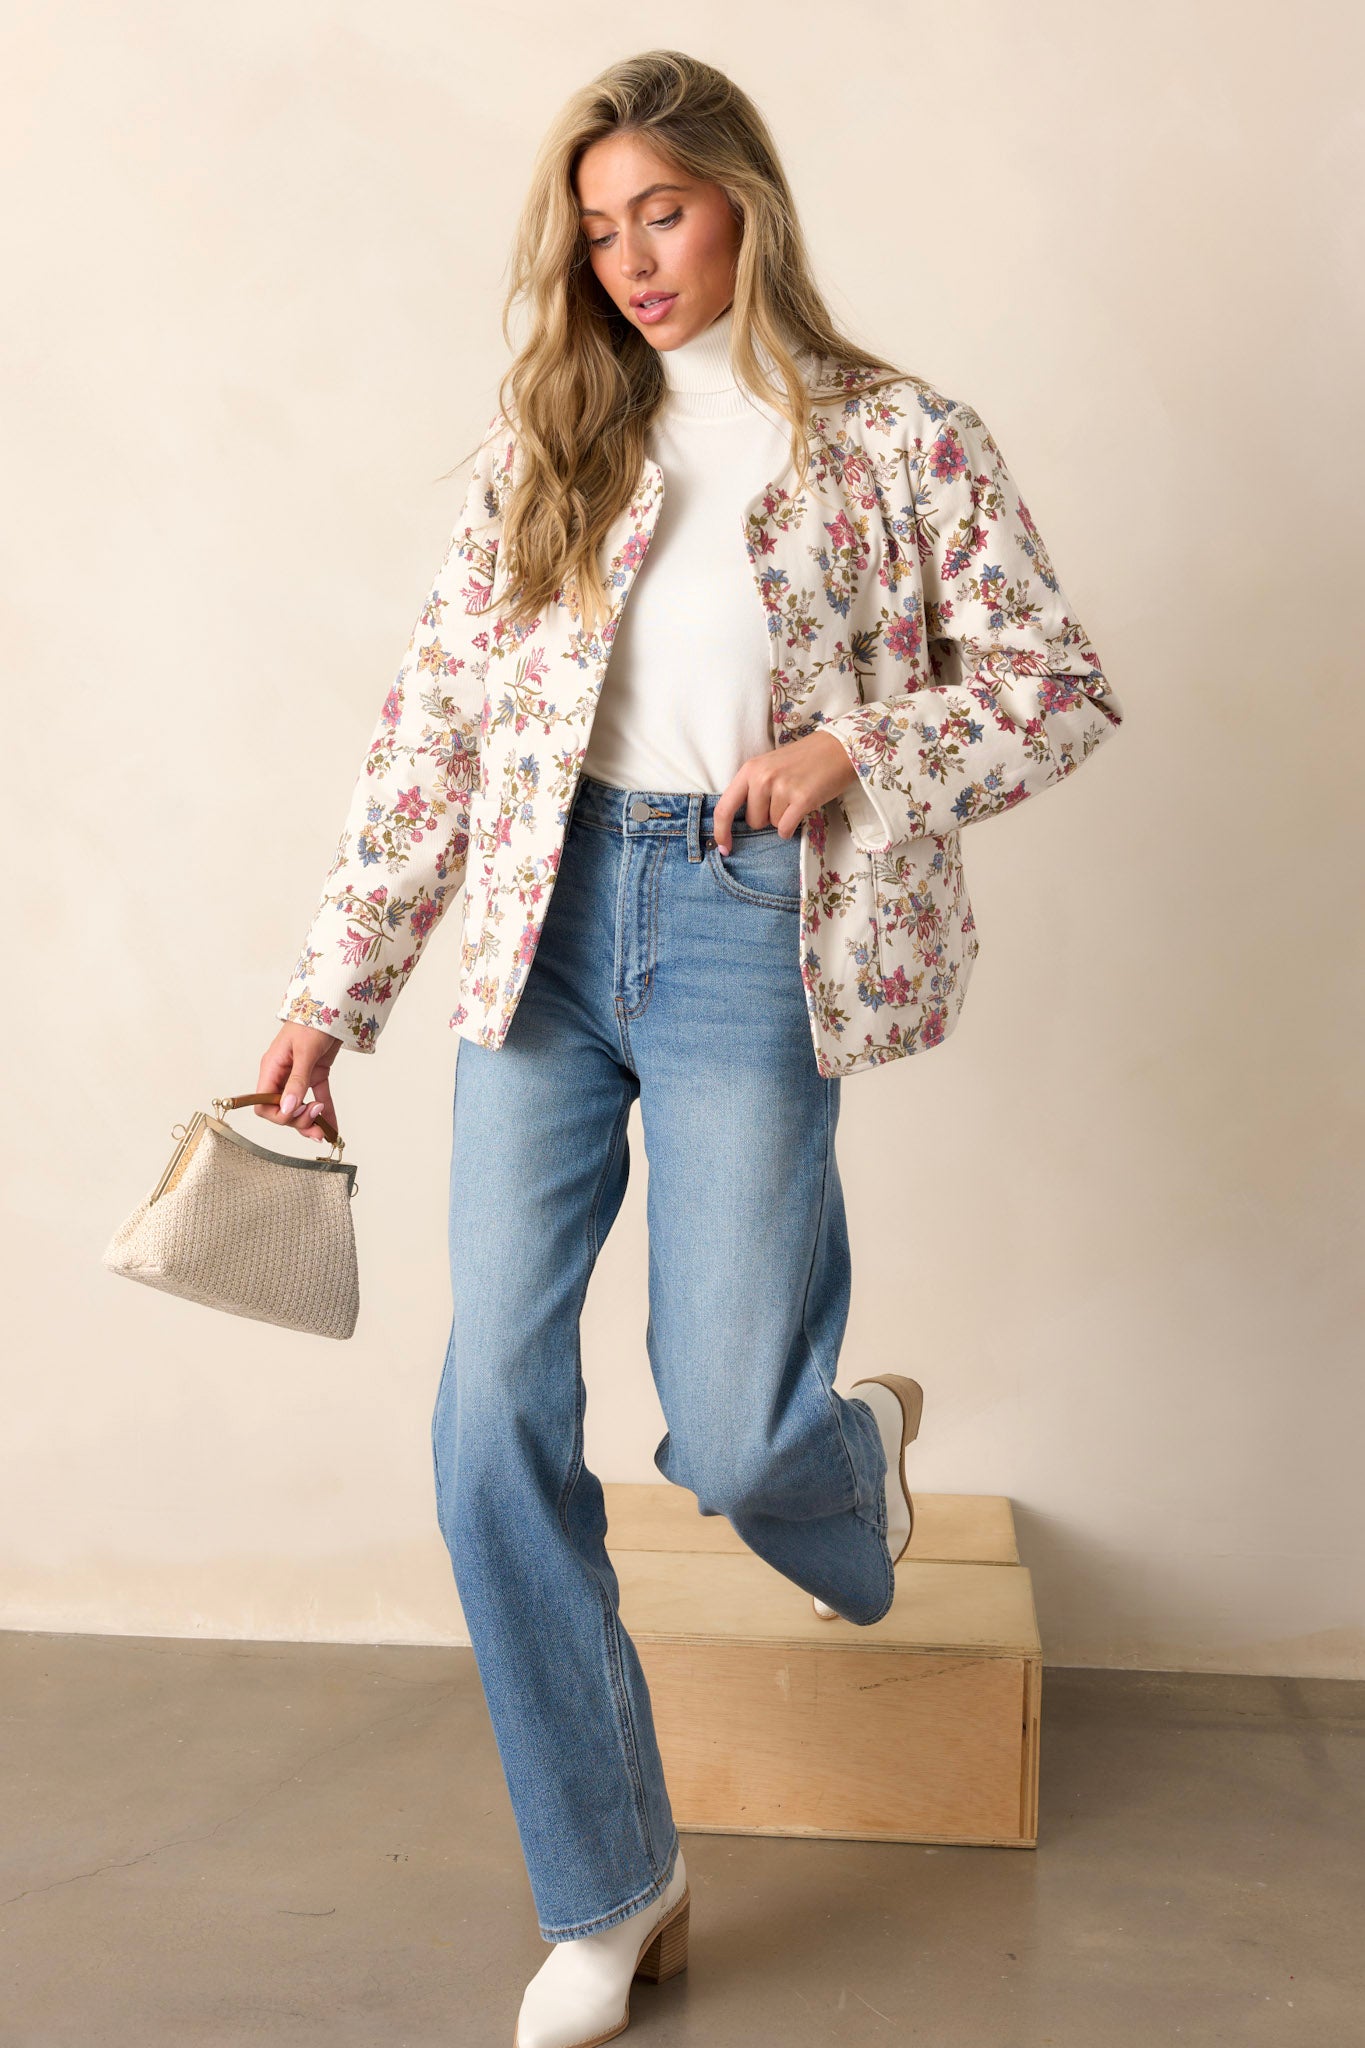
{"points": [[253, 262]]}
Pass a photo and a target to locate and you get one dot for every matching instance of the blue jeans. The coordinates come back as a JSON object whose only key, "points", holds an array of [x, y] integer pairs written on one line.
{"points": [[669, 972]]}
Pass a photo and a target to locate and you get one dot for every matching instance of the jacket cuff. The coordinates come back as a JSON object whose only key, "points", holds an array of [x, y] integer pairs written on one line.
{"points": [[874, 827], [359, 1034]]}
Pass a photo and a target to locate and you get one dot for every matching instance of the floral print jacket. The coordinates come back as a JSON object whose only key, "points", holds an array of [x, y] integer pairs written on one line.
{"points": [[913, 612]]}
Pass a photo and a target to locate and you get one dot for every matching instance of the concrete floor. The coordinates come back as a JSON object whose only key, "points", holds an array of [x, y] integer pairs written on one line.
{"points": [[218, 1843]]}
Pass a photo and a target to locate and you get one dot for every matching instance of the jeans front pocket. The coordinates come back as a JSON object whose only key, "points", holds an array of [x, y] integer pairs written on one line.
{"points": [[761, 867]]}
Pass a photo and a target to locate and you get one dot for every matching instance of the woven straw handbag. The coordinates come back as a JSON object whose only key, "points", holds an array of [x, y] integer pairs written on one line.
{"points": [[237, 1226]]}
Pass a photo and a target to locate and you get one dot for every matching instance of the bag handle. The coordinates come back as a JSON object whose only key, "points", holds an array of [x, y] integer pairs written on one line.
{"points": [[223, 1103]]}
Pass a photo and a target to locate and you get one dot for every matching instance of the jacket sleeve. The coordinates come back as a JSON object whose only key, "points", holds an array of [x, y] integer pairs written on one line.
{"points": [[401, 855], [1010, 697]]}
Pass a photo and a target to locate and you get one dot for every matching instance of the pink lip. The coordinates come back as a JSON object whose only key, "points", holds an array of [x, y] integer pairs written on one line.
{"points": [[650, 314]]}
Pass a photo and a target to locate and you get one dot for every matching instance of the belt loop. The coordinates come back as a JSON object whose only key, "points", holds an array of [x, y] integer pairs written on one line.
{"points": [[694, 804]]}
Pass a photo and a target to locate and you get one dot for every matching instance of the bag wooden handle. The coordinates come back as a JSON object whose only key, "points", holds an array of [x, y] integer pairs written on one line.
{"points": [[321, 1123]]}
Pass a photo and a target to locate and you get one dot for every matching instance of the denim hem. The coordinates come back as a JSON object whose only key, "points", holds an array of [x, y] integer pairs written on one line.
{"points": [[884, 1610], [873, 1619], [877, 1519], [875, 1513], [652, 1891]]}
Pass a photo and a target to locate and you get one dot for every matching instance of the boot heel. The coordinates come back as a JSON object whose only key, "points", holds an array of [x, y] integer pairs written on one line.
{"points": [[911, 1396], [667, 1953]]}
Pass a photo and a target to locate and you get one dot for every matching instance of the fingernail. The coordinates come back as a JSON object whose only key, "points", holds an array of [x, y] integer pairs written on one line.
{"points": [[289, 1105]]}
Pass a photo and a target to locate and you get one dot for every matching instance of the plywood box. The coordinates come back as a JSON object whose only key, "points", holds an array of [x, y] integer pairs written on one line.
{"points": [[922, 1728]]}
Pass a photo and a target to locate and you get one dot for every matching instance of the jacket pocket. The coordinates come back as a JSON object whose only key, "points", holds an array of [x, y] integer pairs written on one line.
{"points": [[903, 915], [921, 911]]}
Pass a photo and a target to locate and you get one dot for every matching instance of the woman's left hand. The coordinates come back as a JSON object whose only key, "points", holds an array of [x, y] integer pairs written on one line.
{"points": [[780, 787]]}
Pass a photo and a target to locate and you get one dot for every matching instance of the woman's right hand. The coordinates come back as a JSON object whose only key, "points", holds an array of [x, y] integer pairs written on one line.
{"points": [[299, 1058]]}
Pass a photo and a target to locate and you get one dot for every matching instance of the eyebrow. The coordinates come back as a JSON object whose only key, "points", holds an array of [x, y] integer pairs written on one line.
{"points": [[638, 200]]}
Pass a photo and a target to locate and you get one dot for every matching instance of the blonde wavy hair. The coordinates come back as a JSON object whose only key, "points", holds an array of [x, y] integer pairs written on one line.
{"points": [[585, 385]]}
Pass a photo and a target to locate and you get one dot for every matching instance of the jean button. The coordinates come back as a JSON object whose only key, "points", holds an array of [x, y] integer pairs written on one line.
{"points": [[640, 809]]}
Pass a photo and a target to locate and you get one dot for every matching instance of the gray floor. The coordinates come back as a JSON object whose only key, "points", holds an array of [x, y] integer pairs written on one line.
{"points": [[260, 1842]]}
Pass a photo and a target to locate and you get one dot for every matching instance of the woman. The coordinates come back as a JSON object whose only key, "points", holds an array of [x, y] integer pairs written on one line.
{"points": [[709, 843]]}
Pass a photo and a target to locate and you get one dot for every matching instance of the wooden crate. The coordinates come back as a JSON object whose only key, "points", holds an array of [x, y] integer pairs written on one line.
{"points": [[922, 1728]]}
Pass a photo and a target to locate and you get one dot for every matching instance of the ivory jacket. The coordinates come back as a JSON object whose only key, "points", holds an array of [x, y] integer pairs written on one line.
{"points": [[912, 611]]}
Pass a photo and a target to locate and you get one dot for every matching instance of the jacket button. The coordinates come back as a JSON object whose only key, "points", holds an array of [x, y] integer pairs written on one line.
{"points": [[640, 809]]}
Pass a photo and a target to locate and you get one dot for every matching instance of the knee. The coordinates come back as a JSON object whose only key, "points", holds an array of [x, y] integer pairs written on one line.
{"points": [[495, 1359], [490, 1435]]}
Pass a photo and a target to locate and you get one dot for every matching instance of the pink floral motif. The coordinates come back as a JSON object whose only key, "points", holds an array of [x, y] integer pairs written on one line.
{"points": [[904, 637], [911, 611]]}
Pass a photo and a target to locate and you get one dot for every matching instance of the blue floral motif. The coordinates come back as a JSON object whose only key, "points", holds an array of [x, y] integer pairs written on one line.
{"points": [[912, 612]]}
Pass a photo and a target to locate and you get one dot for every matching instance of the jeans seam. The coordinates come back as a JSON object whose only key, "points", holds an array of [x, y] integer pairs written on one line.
{"points": [[877, 1521], [612, 1640], [611, 1629], [435, 1456], [805, 1303], [618, 1001], [875, 1517], [652, 928], [882, 1612]]}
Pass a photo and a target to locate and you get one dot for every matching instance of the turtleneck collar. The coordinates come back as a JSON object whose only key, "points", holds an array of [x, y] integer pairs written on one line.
{"points": [[701, 382], [703, 362]]}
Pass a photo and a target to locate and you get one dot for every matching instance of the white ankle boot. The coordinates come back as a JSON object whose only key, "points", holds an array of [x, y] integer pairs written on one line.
{"points": [[580, 1995], [897, 1404]]}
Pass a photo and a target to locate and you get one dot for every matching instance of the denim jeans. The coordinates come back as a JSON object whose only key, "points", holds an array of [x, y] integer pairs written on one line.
{"points": [[668, 971]]}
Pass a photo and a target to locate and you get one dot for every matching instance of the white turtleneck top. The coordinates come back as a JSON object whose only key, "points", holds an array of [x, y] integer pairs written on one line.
{"points": [[687, 696]]}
